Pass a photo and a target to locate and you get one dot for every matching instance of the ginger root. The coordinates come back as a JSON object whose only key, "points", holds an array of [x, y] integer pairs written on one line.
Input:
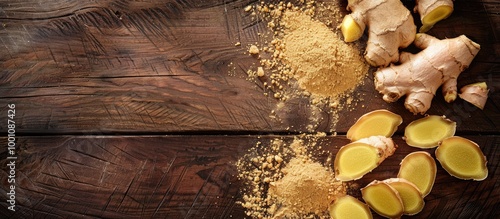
{"points": [[432, 11], [385, 35], [413, 200], [358, 158], [420, 75], [427, 132], [383, 199], [476, 94], [347, 207], [420, 169], [377, 122], [462, 158]]}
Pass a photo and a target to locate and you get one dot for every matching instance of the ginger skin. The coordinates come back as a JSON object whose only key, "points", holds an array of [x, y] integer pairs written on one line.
{"points": [[476, 94], [420, 75], [385, 35], [432, 11]]}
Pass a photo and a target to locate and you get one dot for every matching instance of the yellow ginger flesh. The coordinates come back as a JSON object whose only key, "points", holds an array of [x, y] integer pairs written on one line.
{"points": [[378, 122], [358, 158], [420, 169], [432, 11], [383, 199], [350, 29], [427, 132], [420, 75], [413, 201], [462, 158], [347, 207]]}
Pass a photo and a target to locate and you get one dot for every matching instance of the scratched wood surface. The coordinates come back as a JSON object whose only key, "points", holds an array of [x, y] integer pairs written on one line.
{"points": [[137, 109], [165, 66]]}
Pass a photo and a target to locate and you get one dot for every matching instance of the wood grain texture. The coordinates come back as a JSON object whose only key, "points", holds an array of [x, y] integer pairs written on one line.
{"points": [[130, 66], [169, 66], [138, 109], [192, 177]]}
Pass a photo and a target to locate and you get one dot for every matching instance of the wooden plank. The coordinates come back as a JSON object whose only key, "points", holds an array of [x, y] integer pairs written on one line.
{"points": [[165, 66], [122, 72], [189, 177]]}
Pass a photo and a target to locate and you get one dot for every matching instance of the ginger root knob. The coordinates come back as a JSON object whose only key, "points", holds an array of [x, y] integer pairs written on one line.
{"points": [[420, 75], [385, 35]]}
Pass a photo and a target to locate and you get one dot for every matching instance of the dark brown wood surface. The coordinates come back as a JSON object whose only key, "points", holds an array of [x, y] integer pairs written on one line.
{"points": [[194, 177], [138, 109]]}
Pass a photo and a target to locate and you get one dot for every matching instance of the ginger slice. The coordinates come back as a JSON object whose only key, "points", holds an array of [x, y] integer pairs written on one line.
{"points": [[420, 169], [427, 132], [476, 94], [358, 158], [383, 199], [462, 158], [432, 11], [347, 207], [413, 200], [378, 122]]}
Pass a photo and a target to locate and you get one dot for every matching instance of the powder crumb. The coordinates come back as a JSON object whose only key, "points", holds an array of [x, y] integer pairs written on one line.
{"points": [[260, 72], [248, 8], [288, 179], [253, 50]]}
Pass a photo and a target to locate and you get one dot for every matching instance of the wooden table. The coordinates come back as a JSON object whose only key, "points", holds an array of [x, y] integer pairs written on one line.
{"points": [[127, 109]]}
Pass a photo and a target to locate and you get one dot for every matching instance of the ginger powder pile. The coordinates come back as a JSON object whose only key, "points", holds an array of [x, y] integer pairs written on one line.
{"points": [[320, 61], [304, 57], [283, 180]]}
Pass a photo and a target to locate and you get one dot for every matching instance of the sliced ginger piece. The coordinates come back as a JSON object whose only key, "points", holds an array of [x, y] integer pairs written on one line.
{"points": [[420, 169], [358, 158], [378, 122], [347, 207], [413, 200], [427, 132], [432, 11], [476, 94], [462, 158], [383, 199]]}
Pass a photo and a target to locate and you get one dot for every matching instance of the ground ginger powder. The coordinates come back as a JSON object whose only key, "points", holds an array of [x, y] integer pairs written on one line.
{"points": [[320, 61], [302, 57], [283, 180], [305, 187]]}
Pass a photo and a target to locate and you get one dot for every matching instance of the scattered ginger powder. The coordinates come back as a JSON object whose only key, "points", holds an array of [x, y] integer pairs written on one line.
{"points": [[302, 188], [307, 58]]}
